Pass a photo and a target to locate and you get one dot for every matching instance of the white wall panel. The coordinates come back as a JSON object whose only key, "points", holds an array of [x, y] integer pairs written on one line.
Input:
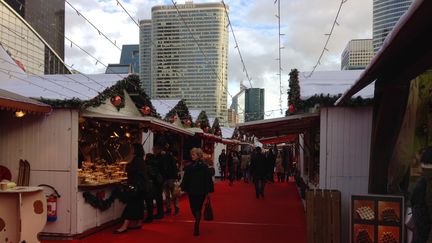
{"points": [[345, 138], [61, 182], [45, 141]]}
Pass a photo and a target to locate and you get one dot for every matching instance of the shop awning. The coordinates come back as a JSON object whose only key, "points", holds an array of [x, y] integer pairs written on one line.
{"points": [[278, 140], [15, 102], [152, 122], [406, 52], [280, 127]]}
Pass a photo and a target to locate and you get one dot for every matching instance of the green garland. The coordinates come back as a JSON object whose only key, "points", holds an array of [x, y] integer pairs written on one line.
{"points": [[132, 86], [216, 127], [302, 106], [203, 120], [181, 110], [103, 204]]}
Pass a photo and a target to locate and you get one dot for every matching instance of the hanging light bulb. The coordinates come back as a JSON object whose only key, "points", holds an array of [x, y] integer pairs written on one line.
{"points": [[19, 113]]}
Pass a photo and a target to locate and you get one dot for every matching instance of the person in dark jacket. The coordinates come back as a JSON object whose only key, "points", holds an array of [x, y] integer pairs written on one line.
{"points": [[155, 175], [271, 161], [170, 175], [259, 171], [197, 183], [222, 164], [421, 200], [138, 179]]}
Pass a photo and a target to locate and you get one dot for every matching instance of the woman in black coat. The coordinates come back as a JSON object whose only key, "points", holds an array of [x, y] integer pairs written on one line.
{"points": [[197, 182], [137, 178]]}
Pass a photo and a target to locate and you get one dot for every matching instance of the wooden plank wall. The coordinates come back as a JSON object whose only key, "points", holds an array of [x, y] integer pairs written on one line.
{"points": [[345, 140], [50, 144], [323, 212]]}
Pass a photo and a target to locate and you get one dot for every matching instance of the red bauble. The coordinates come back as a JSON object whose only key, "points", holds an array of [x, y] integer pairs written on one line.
{"points": [[206, 129], [116, 100], [187, 122], [291, 108], [218, 132], [145, 110], [174, 118]]}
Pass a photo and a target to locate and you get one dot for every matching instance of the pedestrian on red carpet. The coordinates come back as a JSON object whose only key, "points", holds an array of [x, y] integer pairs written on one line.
{"points": [[138, 187], [259, 171], [197, 183], [222, 164], [280, 171]]}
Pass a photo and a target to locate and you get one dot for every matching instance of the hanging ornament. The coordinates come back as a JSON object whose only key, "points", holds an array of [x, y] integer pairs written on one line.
{"points": [[198, 124], [174, 118], [206, 129], [291, 108], [116, 100], [218, 132], [145, 110], [187, 122]]}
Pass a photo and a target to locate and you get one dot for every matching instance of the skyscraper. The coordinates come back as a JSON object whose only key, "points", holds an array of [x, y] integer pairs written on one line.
{"points": [[357, 54], [47, 17], [386, 14], [145, 59], [130, 55], [25, 45], [184, 65], [254, 104]]}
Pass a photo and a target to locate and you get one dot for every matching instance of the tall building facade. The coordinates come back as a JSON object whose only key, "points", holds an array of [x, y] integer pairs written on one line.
{"points": [[47, 17], [25, 45], [254, 104], [189, 66], [386, 14], [145, 60], [238, 104], [130, 55], [357, 54], [232, 118]]}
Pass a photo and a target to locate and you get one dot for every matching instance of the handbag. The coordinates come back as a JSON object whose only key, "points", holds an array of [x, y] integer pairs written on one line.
{"points": [[208, 211], [409, 221]]}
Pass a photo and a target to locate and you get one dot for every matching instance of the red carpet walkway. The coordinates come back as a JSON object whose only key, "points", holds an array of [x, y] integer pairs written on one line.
{"points": [[239, 217]]}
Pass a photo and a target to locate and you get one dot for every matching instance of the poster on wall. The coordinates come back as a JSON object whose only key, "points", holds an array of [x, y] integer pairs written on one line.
{"points": [[377, 219]]}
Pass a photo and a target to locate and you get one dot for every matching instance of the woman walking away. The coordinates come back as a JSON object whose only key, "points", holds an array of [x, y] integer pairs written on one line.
{"points": [[137, 182], [259, 172], [197, 182]]}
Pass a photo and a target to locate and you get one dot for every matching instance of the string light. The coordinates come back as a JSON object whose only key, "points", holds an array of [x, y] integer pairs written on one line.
{"points": [[237, 45], [100, 32], [327, 41]]}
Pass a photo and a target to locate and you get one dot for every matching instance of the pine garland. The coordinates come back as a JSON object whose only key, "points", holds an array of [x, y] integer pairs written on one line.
{"points": [[181, 110], [203, 120], [297, 105], [103, 204], [216, 128], [132, 86]]}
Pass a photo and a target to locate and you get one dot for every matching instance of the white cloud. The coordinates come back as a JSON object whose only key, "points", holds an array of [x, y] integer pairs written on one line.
{"points": [[304, 23]]}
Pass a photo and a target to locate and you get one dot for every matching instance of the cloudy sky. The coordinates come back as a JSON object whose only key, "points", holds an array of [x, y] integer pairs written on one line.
{"points": [[304, 24]]}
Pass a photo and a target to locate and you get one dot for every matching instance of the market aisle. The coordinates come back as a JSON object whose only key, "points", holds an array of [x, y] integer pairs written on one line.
{"points": [[239, 217]]}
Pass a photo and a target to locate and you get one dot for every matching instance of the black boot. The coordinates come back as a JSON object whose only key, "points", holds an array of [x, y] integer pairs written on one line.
{"points": [[197, 222]]}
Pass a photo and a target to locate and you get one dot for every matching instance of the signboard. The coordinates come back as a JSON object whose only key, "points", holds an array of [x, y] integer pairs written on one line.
{"points": [[377, 219]]}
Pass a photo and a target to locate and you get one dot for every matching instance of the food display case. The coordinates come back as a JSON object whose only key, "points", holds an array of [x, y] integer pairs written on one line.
{"points": [[377, 219]]}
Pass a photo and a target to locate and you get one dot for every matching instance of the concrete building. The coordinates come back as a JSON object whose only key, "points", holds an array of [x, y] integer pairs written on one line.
{"points": [[386, 13], [119, 68], [238, 105], [357, 54], [47, 17], [191, 67], [254, 104], [232, 118], [130, 55], [145, 55], [25, 45]]}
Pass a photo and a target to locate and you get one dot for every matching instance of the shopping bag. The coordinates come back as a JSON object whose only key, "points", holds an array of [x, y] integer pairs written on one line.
{"points": [[208, 211], [409, 222]]}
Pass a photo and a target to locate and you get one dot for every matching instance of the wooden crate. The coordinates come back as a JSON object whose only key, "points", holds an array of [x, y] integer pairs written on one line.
{"points": [[323, 210]]}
